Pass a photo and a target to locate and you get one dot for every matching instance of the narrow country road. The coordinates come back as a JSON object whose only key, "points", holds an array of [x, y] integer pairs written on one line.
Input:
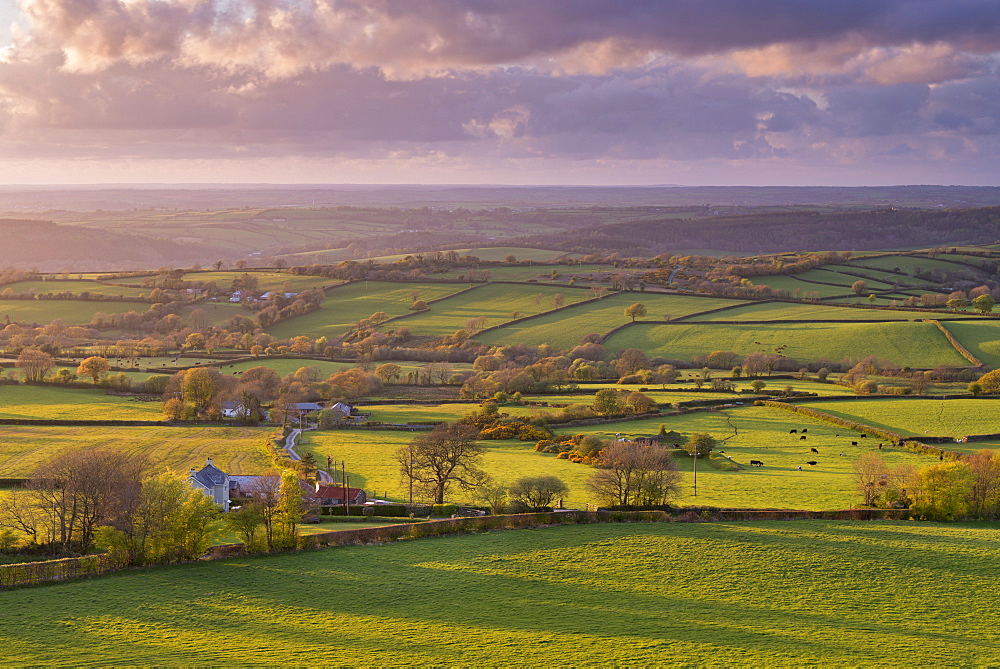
{"points": [[290, 442]]}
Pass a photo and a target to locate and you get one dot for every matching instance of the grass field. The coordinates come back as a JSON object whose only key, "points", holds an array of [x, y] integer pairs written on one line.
{"points": [[73, 404], [72, 312], [906, 344], [496, 303], [371, 465], [938, 418], [911, 264], [346, 305], [236, 450], [75, 287], [982, 339], [779, 311], [799, 289], [763, 434], [265, 280], [565, 328], [739, 594]]}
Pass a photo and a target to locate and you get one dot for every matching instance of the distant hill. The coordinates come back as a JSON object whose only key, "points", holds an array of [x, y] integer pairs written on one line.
{"points": [[51, 247], [794, 231]]}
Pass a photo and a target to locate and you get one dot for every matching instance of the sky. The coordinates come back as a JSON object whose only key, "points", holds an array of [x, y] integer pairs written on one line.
{"points": [[603, 92]]}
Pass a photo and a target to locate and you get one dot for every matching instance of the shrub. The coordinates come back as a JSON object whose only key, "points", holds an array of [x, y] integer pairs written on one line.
{"points": [[443, 510]]}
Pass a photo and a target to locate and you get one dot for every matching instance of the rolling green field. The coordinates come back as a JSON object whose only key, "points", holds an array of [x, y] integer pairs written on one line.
{"points": [[779, 311], [266, 281], [911, 264], [938, 418], [905, 344], [73, 404], [738, 594], [496, 303], [72, 312], [762, 435], [75, 287], [799, 289], [982, 338], [565, 328], [346, 305], [236, 450]]}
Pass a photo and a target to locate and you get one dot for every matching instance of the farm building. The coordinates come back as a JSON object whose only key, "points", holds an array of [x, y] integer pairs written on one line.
{"points": [[329, 495], [213, 482]]}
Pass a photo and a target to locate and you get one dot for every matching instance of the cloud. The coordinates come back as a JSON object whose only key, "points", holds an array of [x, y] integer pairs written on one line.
{"points": [[483, 82]]}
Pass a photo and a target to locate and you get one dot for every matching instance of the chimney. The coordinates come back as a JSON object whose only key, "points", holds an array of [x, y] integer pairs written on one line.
{"points": [[209, 462], [193, 471]]}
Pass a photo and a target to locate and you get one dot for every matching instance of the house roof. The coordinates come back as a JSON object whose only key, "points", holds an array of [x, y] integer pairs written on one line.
{"points": [[336, 492], [303, 406], [209, 476]]}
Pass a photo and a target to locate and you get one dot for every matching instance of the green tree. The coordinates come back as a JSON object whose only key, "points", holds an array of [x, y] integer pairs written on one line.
{"points": [[757, 385], [637, 310], [984, 304], [943, 490], [607, 402], [975, 388], [247, 524], [701, 443], [537, 491], [95, 367]]}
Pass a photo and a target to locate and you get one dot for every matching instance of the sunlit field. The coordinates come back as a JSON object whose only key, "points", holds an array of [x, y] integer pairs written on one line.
{"points": [[752, 594], [73, 404], [938, 418]]}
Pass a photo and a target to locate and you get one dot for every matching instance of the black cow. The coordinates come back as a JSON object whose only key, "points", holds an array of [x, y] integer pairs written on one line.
{"points": [[864, 436], [814, 451], [756, 463], [802, 437], [812, 463], [880, 447], [793, 432], [804, 430], [854, 443]]}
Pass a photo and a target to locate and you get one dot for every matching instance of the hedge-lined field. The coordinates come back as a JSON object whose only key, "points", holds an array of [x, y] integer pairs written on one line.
{"points": [[910, 264], [346, 305], [72, 404], [905, 344], [761, 593], [763, 434], [937, 418], [565, 328], [497, 303], [76, 287], [72, 312], [236, 450], [798, 288], [778, 311], [265, 280], [981, 338]]}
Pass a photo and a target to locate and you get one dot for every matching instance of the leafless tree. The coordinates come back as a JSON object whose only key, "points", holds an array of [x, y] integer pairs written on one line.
{"points": [[629, 473], [444, 457]]}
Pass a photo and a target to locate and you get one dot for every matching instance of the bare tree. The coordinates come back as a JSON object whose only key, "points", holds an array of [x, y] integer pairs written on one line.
{"points": [[444, 457], [69, 496], [34, 364], [629, 473]]}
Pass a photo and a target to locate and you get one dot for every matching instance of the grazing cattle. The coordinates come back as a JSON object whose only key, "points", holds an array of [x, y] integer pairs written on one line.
{"points": [[854, 443], [756, 463], [802, 437], [864, 436], [841, 455], [800, 467], [804, 430], [793, 432], [814, 451], [812, 463], [880, 447]]}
